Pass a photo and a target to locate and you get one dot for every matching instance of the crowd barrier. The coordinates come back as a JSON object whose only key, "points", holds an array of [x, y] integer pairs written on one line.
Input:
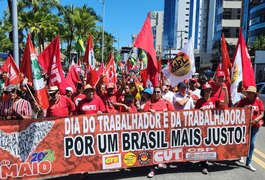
{"points": [[91, 143]]}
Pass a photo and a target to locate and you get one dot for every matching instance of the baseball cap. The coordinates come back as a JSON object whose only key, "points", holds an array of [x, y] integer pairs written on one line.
{"points": [[69, 89], [220, 73], [206, 86], [147, 90], [181, 85]]}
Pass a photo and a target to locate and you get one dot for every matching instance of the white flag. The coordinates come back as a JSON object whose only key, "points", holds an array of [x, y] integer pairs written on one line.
{"points": [[237, 77], [182, 66]]}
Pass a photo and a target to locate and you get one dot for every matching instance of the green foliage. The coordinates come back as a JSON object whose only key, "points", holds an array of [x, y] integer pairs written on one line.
{"points": [[259, 44], [45, 19]]}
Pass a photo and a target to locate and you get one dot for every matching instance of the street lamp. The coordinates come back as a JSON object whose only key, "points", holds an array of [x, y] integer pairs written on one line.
{"points": [[103, 16]]}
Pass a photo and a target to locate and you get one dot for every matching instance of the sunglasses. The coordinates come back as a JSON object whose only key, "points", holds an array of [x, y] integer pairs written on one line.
{"points": [[208, 90], [157, 92]]}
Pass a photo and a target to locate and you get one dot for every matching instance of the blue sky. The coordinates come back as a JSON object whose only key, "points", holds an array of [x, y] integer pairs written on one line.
{"points": [[122, 17]]}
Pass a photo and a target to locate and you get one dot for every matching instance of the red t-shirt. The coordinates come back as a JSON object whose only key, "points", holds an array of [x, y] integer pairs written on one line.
{"points": [[106, 99], [61, 108], [216, 92], [90, 107], [132, 109], [211, 103], [159, 105], [257, 107]]}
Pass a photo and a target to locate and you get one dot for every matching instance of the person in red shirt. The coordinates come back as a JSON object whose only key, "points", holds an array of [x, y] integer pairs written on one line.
{"points": [[128, 105], [208, 102], [157, 103], [217, 85], [91, 104], [252, 100], [60, 105]]}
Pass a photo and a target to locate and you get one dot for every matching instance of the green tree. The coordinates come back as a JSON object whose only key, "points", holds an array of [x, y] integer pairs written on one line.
{"points": [[259, 44]]}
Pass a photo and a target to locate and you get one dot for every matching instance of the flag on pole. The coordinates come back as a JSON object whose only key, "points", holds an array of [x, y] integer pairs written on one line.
{"points": [[89, 56], [31, 69], [242, 70], [110, 71], [79, 46], [226, 63], [50, 61], [13, 73], [182, 66], [145, 41], [72, 77]]}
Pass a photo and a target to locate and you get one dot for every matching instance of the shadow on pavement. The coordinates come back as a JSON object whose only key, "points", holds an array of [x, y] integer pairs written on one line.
{"points": [[186, 167]]}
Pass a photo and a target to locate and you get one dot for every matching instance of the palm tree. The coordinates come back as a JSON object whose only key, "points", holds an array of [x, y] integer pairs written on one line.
{"points": [[259, 44]]}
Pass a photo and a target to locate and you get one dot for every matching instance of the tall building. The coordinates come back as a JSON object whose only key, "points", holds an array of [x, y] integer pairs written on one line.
{"points": [[182, 20], [157, 18], [227, 20], [253, 19]]}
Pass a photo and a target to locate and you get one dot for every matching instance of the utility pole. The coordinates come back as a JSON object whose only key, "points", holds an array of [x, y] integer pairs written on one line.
{"points": [[181, 36], [103, 17], [15, 32]]}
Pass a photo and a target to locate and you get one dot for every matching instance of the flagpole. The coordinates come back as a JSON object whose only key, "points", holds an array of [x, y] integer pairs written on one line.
{"points": [[15, 31], [103, 18]]}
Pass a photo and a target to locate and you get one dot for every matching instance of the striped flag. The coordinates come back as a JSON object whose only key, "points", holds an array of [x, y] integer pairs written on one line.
{"points": [[31, 69]]}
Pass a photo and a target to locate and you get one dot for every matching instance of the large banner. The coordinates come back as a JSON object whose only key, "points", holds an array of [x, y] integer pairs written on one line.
{"points": [[53, 147]]}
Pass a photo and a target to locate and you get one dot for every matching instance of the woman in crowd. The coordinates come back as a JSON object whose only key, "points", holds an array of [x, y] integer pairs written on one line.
{"points": [[157, 103], [208, 102], [252, 100]]}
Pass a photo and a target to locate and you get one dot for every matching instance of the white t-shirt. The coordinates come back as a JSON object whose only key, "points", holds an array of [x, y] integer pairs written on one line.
{"points": [[188, 105], [168, 96]]}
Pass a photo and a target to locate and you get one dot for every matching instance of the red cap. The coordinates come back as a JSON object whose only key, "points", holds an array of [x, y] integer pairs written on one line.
{"points": [[220, 73], [193, 80], [206, 86]]}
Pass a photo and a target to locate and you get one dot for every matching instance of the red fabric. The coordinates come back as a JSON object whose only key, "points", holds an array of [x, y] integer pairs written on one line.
{"points": [[108, 100], [110, 71], [100, 69], [209, 104], [159, 105], [132, 109], [247, 69], [90, 107], [78, 98], [27, 68], [226, 63], [257, 107], [89, 53], [50, 61], [61, 108], [72, 78], [216, 93], [92, 77], [145, 41], [13, 73]]}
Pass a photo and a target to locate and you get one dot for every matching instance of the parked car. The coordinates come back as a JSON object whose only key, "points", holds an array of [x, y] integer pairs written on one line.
{"points": [[261, 91]]}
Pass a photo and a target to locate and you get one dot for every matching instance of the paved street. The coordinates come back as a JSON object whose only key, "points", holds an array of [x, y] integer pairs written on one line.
{"points": [[225, 170]]}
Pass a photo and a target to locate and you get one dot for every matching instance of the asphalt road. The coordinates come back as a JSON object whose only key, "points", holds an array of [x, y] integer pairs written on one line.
{"points": [[225, 170]]}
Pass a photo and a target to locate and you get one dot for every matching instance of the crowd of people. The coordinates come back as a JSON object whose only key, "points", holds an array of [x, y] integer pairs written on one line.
{"points": [[129, 96]]}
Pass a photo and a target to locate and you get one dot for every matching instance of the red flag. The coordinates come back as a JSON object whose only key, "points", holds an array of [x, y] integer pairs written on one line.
{"points": [[226, 63], [100, 69], [247, 69], [110, 71], [31, 69], [89, 57], [92, 77], [145, 41], [50, 61], [72, 77], [13, 74]]}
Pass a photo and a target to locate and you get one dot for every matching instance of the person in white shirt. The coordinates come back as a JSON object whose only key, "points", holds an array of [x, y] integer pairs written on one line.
{"points": [[182, 100], [166, 93], [195, 93]]}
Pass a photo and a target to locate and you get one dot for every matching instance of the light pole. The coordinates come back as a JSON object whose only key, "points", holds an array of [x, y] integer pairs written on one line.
{"points": [[103, 17], [15, 31], [181, 40]]}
